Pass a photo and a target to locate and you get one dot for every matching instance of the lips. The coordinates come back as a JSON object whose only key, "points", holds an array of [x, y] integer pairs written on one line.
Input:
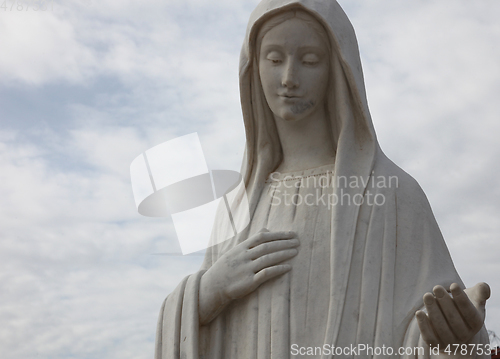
{"points": [[289, 96]]}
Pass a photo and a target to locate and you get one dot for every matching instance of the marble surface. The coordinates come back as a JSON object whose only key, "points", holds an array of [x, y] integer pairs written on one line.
{"points": [[355, 259]]}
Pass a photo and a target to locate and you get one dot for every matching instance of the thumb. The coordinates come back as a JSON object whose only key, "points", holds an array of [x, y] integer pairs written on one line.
{"points": [[483, 292], [479, 294]]}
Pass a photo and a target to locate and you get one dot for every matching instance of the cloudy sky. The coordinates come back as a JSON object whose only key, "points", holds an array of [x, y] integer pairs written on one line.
{"points": [[88, 85]]}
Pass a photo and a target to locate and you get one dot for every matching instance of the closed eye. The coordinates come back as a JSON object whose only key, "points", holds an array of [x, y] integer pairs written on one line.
{"points": [[275, 57], [310, 59]]}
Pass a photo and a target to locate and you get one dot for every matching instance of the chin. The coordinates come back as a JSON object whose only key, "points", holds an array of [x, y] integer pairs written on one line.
{"points": [[289, 116], [296, 111]]}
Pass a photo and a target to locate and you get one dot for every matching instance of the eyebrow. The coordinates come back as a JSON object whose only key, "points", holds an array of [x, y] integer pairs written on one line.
{"points": [[301, 48]]}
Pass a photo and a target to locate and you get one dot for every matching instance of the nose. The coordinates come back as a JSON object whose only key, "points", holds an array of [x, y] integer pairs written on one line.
{"points": [[290, 79]]}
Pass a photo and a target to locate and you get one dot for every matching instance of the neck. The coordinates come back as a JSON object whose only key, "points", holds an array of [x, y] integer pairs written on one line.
{"points": [[306, 143]]}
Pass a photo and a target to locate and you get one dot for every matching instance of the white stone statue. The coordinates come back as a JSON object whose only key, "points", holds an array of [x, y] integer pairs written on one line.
{"points": [[342, 250]]}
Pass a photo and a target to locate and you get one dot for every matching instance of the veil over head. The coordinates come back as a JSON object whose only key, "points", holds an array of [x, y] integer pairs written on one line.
{"points": [[349, 118], [350, 121]]}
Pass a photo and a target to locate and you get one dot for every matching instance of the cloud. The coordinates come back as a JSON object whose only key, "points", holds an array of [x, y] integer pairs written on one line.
{"points": [[37, 47], [78, 42], [77, 269]]}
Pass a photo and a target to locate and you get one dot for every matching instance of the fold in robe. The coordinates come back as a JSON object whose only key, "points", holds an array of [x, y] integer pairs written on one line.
{"points": [[398, 254], [369, 264]]}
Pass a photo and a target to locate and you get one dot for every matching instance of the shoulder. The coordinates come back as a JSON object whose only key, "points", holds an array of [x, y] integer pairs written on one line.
{"points": [[404, 187]]}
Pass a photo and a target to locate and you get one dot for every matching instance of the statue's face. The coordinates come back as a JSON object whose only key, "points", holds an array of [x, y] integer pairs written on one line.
{"points": [[294, 69]]}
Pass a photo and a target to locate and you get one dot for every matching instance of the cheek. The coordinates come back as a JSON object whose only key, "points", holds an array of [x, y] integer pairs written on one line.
{"points": [[264, 77], [269, 78], [320, 82], [267, 75]]}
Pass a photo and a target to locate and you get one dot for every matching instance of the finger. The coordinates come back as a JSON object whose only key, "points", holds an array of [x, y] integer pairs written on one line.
{"points": [[437, 320], [275, 246], [263, 237], [426, 330], [270, 272], [469, 312], [451, 314], [272, 259]]}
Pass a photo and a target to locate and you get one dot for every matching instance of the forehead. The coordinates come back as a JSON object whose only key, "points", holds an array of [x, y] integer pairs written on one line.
{"points": [[293, 32]]}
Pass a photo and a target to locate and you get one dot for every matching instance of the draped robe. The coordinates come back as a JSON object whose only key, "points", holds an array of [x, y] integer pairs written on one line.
{"points": [[376, 259]]}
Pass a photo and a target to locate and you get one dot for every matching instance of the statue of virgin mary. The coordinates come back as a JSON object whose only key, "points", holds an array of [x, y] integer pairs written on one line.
{"points": [[342, 244]]}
